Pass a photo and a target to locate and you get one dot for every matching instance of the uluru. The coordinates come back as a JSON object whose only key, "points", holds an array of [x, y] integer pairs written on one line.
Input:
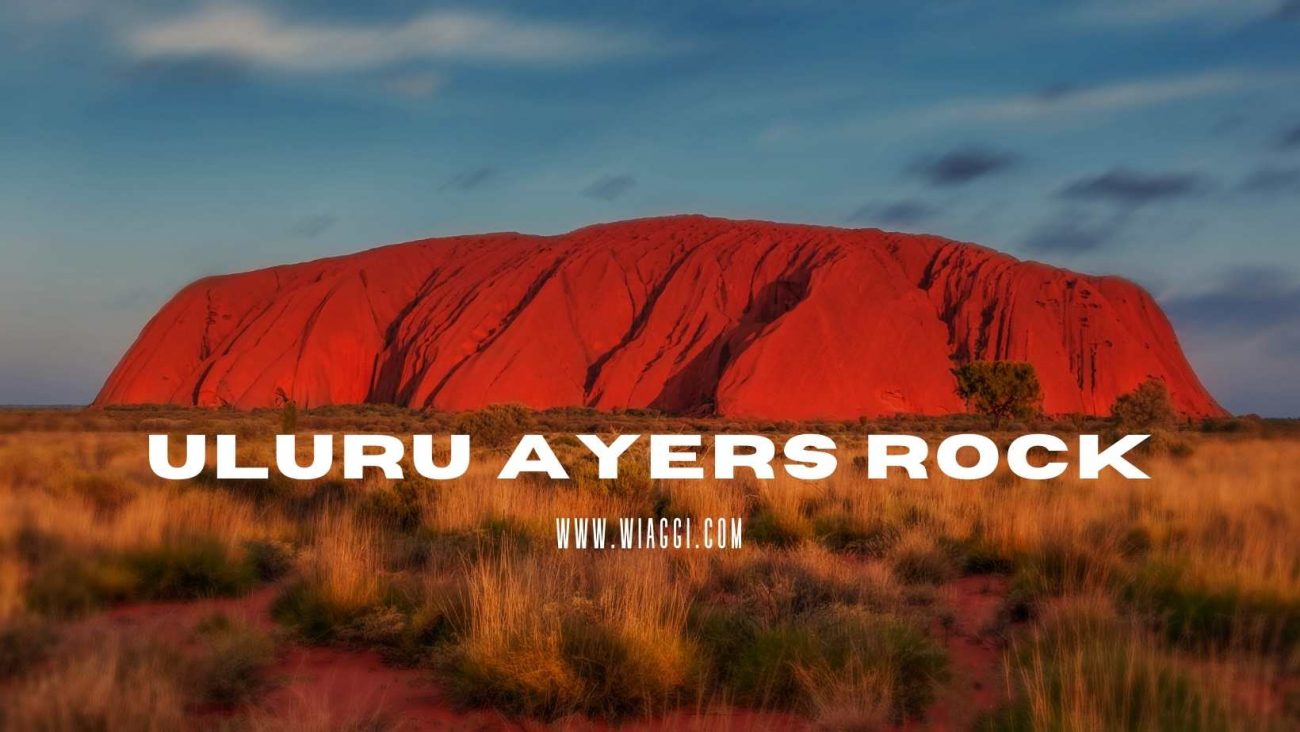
{"points": [[683, 314]]}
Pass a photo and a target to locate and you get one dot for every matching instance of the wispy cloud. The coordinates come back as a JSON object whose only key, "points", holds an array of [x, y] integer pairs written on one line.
{"points": [[1142, 13], [256, 36], [1065, 100], [416, 84]]}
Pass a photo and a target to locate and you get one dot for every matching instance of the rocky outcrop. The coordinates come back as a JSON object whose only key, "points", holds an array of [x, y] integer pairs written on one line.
{"points": [[686, 314]]}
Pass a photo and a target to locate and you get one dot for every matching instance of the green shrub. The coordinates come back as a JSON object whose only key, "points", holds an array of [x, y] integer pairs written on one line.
{"points": [[269, 560], [843, 532], [773, 586], [1092, 672], [598, 669], [231, 662], [73, 585], [769, 528], [1191, 614], [498, 425], [396, 505], [189, 568], [774, 664], [406, 636], [310, 613], [1145, 407], [922, 563]]}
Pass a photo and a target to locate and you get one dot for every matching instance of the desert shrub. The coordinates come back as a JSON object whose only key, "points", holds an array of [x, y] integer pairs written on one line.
{"points": [[1145, 407], [1166, 442], [498, 425], [767, 527], [919, 560], [850, 534], [104, 493], [404, 638], [189, 568], [633, 474], [999, 389], [1023, 599], [779, 664], [497, 532], [1086, 669], [275, 487], [1060, 565], [395, 505], [977, 555], [74, 585], [410, 624], [25, 642], [342, 579], [311, 613], [1200, 616], [109, 685], [594, 667], [288, 412], [268, 559], [550, 637], [624, 672], [770, 586], [231, 661]]}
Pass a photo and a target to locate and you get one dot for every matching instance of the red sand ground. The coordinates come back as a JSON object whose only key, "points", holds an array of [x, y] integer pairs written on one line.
{"points": [[977, 684], [685, 314]]}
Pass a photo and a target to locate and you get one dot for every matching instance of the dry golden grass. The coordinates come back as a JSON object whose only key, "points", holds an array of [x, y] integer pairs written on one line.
{"points": [[110, 684], [1177, 587]]}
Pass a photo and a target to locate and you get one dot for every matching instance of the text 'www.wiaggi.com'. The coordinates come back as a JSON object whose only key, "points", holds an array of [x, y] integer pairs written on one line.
{"points": [[595, 532]]}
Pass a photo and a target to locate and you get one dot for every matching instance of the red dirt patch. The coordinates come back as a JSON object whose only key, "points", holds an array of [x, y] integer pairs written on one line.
{"points": [[977, 684]]}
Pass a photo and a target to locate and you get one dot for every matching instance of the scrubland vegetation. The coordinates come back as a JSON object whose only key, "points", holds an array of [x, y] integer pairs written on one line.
{"points": [[1168, 604]]}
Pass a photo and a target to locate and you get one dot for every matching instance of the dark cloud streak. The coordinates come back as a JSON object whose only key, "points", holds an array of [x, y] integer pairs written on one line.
{"points": [[310, 227], [468, 180], [180, 73], [610, 187], [1289, 139], [1248, 299], [1075, 231], [1271, 181], [1133, 189], [962, 165]]}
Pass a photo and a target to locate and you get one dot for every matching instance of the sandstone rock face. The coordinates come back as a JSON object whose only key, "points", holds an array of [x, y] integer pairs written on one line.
{"points": [[686, 314]]}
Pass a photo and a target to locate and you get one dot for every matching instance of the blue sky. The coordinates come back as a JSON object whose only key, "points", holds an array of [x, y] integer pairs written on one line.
{"points": [[145, 144]]}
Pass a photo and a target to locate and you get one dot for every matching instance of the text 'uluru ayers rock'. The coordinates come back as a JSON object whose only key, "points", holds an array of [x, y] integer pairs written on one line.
{"points": [[686, 314]]}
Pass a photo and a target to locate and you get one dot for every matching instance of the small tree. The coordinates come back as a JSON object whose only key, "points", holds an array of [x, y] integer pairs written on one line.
{"points": [[288, 412], [999, 389], [1148, 405]]}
